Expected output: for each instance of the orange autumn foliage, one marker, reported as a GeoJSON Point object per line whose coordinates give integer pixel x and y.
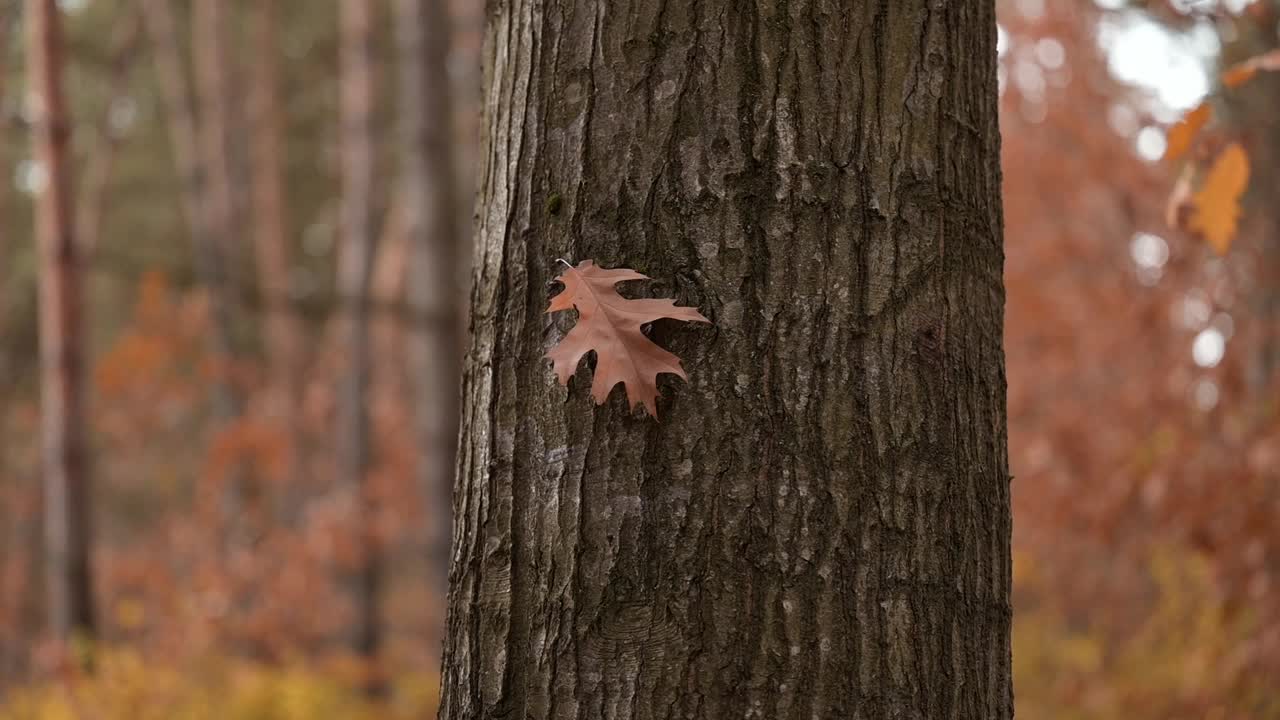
{"type": "Point", "coordinates": [249, 440]}
{"type": "Point", "coordinates": [1127, 446]}
{"type": "Point", "coordinates": [1216, 207]}
{"type": "Point", "coordinates": [1183, 134]}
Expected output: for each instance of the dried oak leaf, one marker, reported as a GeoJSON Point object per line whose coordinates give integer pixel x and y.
{"type": "Point", "coordinates": [610, 324]}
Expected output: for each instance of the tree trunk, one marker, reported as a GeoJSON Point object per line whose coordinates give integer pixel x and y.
{"type": "Point", "coordinates": [389, 320]}
{"type": "Point", "coordinates": [8, 15]}
{"type": "Point", "coordinates": [1254, 108]}
{"type": "Point", "coordinates": [355, 267]}
{"type": "Point", "coordinates": [180, 111]}
{"type": "Point", "coordinates": [209, 20]}
{"type": "Point", "coordinates": [209, 260]}
{"type": "Point", "coordinates": [125, 35]}
{"type": "Point", "coordinates": [66, 464]}
{"type": "Point", "coordinates": [819, 526]}
{"type": "Point", "coordinates": [430, 210]}
{"type": "Point", "coordinates": [282, 329]}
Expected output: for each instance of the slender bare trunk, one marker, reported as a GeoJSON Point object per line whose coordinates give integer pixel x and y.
{"type": "Point", "coordinates": [209, 259]}
{"type": "Point", "coordinates": [20, 573]}
{"type": "Point", "coordinates": [67, 500]}
{"type": "Point", "coordinates": [8, 11]}
{"type": "Point", "coordinates": [282, 329]}
{"type": "Point", "coordinates": [355, 266]}
{"type": "Point", "coordinates": [389, 325]}
{"type": "Point", "coordinates": [125, 35]}
{"type": "Point", "coordinates": [17, 552]}
{"type": "Point", "coordinates": [1256, 108]}
{"type": "Point", "coordinates": [209, 20]}
{"type": "Point", "coordinates": [387, 288]}
{"type": "Point", "coordinates": [179, 106]}
{"type": "Point", "coordinates": [430, 212]}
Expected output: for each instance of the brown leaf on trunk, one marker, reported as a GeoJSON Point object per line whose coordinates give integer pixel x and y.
{"type": "Point", "coordinates": [610, 325]}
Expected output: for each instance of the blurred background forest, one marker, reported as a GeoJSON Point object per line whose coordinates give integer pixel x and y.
{"type": "Point", "coordinates": [271, 203]}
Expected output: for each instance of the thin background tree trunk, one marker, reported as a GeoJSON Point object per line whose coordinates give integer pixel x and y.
{"type": "Point", "coordinates": [22, 553]}
{"type": "Point", "coordinates": [67, 510]}
{"type": "Point", "coordinates": [212, 64]}
{"type": "Point", "coordinates": [209, 260]}
{"type": "Point", "coordinates": [125, 37]}
{"type": "Point", "coordinates": [1256, 108]}
{"type": "Point", "coordinates": [819, 525]}
{"type": "Point", "coordinates": [8, 14]}
{"type": "Point", "coordinates": [355, 267]}
{"type": "Point", "coordinates": [434, 287]}
{"type": "Point", "coordinates": [20, 571]}
{"type": "Point", "coordinates": [387, 291]}
{"type": "Point", "coordinates": [282, 329]}
{"type": "Point", "coordinates": [213, 73]}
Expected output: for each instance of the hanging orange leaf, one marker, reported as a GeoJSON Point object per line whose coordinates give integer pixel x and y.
{"type": "Point", "coordinates": [1216, 206]}
{"type": "Point", "coordinates": [1239, 74]}
{"type": "Point", "coordinates": [1183, 133]}
{"type": "Point", "coordinates": [610, 325]}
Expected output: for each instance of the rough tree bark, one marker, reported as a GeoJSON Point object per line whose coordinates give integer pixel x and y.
{"type": "Point", "coordinates": [67, 508]}
{"type": "Point", "coordinates": [819, 526]}
{"type": "Point", "coordinates": [355, 267]}
{"type": "Point", "coordinates": [430, 211]}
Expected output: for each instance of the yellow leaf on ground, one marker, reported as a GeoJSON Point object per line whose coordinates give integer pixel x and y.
{"type": "Point", "coordinates": [1183, 134]}
{"type": "Point", "coordinates": [1216, 206]}
{"type": "Point", "coordinates": [1241, 73]}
